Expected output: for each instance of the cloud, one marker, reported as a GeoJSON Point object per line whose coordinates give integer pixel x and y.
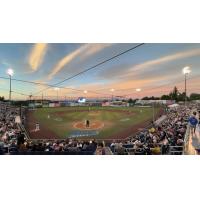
{"type": "Point", "coordinates": [94, 48]}
{"type": "Point", "coordinates": [152, 68]}
{"type": "Point", "coordinates": [165, 59]}
{"type": "Point", "coordinates": [37, 55]}
{"type": "Point", "coordinates": [66, 60]}
{"type": "Point", "coordinates": [83, 52]}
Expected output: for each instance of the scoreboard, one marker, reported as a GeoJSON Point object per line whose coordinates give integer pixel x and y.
{"type": "Point", "coordinates": [81, 100]}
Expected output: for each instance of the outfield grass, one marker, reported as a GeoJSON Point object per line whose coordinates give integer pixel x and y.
{"type": "Point", "coordinates": [62, 119]}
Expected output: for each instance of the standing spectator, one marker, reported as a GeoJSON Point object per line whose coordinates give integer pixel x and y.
{"type": "Point", "coordinates": [193, 123]}
{"type": "Point", "coordinates": [20, 139]}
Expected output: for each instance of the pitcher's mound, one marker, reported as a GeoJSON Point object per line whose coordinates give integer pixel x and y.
{"type": "Point", "coordinates": [94, 125]}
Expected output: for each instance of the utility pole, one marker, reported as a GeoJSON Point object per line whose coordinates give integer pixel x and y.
{"type": "Point", "coordinates": [185, 89]}
{"type": "Point", "coordinates": [42, 99]}
{"type": "Point", "coordinates": [153, 112]}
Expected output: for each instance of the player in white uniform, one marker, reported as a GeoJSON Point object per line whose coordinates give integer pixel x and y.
{"type": "Point", "coordinates": [37, 127]}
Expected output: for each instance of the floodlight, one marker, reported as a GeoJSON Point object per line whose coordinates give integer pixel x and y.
{"type": "Point", "coordinates": [138, 90]}
{"type": "Point", "coordinates": [10, 72]}
{"type": "Point", "coordinates": [112, 90]}
{"type": "Point", "coordinates": [56, 88]}
{"type": "Point", "coordinates": [186, 70]}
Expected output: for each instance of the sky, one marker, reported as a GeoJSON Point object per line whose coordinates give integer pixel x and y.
{"type": "Point", "coordinates": [154, 68]}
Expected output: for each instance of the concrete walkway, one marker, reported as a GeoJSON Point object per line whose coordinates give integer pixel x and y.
{"type": "Point", "coordinates": [194, 142]}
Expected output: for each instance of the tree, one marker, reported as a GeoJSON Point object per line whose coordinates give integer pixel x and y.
{"type": "Point", "coordinates": [165, 97]}
{"type": "Point", "coordinates": [130, 101]}
{"type": "Point", "coordinates": [150, 98]}
{"type": "Point", "coordinates": [195, 96]}
{"type": "Point", "coordinates": [145, 98]}
{"type": "Point", "coordinates": [174, 94]}
{"type": "Point", "coordinates": [2, 98]}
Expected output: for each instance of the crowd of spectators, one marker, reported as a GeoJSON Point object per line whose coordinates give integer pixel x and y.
{"type": "Point", "coordinates": [10, 132]}
{"type": "Point", "coordinates": [157, 139]}
{"type": "Point", "coordinates": [13, 140]}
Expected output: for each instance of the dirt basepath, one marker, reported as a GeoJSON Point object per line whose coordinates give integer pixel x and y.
{"type": "Point", "coordinates": [44, 132]}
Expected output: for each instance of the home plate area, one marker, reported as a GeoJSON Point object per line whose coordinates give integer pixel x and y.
{"type": "Point", "coordinates": [94, 125]}
{"type": "Point", "coordinates": [84, 131]}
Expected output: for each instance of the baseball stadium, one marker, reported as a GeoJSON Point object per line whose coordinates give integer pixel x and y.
{"type": "Point", "coordinates": [99, 99]}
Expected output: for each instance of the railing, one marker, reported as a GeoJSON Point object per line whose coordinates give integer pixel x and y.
{"type": "Point", "coordinates": [24, 131]}
{"type": "Point", "coordinates": [176, 150]}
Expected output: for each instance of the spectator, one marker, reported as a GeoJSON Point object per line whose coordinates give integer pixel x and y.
{"type": "Point", "coordinates": [193, 123]}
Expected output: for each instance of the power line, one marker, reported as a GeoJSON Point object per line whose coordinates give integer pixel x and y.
{"type": "Point", "coordinates": [7, 90]}
{"type": "Point", "coordinates": [90, 68]}
{"type": "Point", "coordinates": [17, 92]}
{"type": "Point", "coordinates": [192, 77]}
{"type": "Point", "coordinates": [51, 86]}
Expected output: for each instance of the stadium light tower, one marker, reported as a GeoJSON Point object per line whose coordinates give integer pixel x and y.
{"type": "Point", "coordinates": [10, 72]}
{"type": "Point", "coordinates": [112, 90]}
{"type": "Point", "coordinates": [138, 90]}
{"type": "Point", "coordinates": [186, 70]}
{"type": "Point", "coordinates": [57, 89]}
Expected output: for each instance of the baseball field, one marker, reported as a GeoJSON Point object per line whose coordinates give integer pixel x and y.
{"type": "Point", "coordinates": [104, 122]}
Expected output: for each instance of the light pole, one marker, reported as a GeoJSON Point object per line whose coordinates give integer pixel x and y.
{"type": "Point", "coordinates": [186, 70]}
{"type": "Point", "coordinates": [10, 72]}
{"type": "Point", "coordinates": [57, 89]}
{"type": "Point", "coordinates": [42, 99]}
{"type": "Point", "coordinates": [112, 90]}
{"type": "Point", "coordinates": [153, 106]}
{"type": "Point", "coordinates": [138, 90]}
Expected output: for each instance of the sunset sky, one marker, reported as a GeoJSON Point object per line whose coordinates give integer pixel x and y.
{"type": "Point", "coordinates": [155, 68]}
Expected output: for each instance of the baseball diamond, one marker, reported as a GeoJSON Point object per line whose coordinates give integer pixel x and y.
{"type": "Point", "coordinates": [111, 122]}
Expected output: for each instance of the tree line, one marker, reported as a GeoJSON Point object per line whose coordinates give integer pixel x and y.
{"type": "Point", "coordinates": [175, 94]}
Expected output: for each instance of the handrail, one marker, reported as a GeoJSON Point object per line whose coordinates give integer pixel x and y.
{"type": "Point", "coordinates": [24, 131]}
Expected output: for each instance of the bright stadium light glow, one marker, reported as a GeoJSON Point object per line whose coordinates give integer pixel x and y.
{"type": "Point", "coordinates": [186, 70]}
{"type": "Point", "coordinates": [10, 72]}
{"type": "Point", "coordinates": [56, 88]}
{"type": "Point", "coordinates": [85, 91]}
{"type": "Point", "coordinates": [138, 90]}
